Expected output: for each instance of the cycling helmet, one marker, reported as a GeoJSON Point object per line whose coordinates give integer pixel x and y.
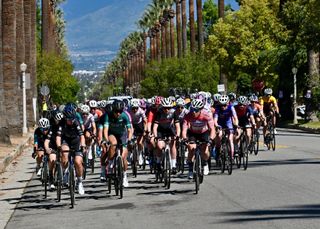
{"type": "Point", "coordinates": [232, 96]}
{"type": "Point", "coordinates": [166, 102]}
{"type": "Point", "coordinates": [197, 104]}
{"type": "Point", "coordinates": [85, 109]}
{"type": "Point", "coordinates": [242, 100]}
{"type": "Point", "coordinates": [143, 104]}
{"type": "Point", "coordinates": [98, 104]}
{"type": "Point", "coordinates": [93, 104]}
{"type": "Point", "coordinates": [268, 91]}
{"type": "Point", "coordinates": [157, 100]}
{"type": "Point", "coordinates": [61, 108]}
{"type": "Point", "coordinates": [135, 103]}
{"type": "Point", "coordinates": [72, 106]}
{"type": "Point", "coordinates": [109, 108]}
{"type": "Point", "coordinates": [44, 123]}
{"type": "Point", "coordinates": [180, 102]}
{"type": "Point", "coordinates": [103, 103]}
{"type": "Point", "coordinates": [208, 95]}
{"type": "Point", "coordinates": [57, 115]}
{"type": "Point", "coordinates": [118, 106]}
{"type": "Point", "coordinates": [224, 100]}
{"type": "Point", "coordinates": [126, 102]}
{"type": "Point", "coordinates": [69, 112]}
{"type": "Point", "coordinates": [216, 97]}
{"type": "Point", "coordinates": [253, 98]}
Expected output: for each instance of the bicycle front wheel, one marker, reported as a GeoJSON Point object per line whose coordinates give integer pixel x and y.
{"type": "Point", "coordinates": [120, 175]}
{"type": "Point", "coordinates": [71, 185]}
{"type": "Point", "coordinates": [196, 172]}
{"type": "Point", "coordinates": [58, 181]}
{"type": "Point", "coordinates": [244, 149]}
{"type": "Point", "coordinates": [167, 169]}
{"type": "Point", "coordinates": [45, 178]}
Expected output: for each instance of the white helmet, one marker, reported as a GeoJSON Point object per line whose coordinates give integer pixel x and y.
{"type": "Point", "coordinates": [85, 109]}
{"type": "Point", "coordinates": [103, 103]}
{"type": "Point", "coordinates": [268, 91]}
{"type": "Point", "coordinates": [242, 100]}
{"type": "Point", "coordinates": [197, 104]}
{"type": "Point", "coordinates": [224, 99]}
{"type": "Point", "coordinates": [93, 104]}
{"type": "Point", "coordinates": [208, 95]}
{"type": "Point", "coordinates": [180, 102]}
{"type": "Point", "coordinates": [135, 103]}
{"type": "Point", "coordinates": [44, 123]}
{"type": "Point", "coordinates": [216, 97]}
{"type": "Point", "coordinates": [167, 102]}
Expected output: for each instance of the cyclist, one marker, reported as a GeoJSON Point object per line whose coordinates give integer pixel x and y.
{"type": "Point", "coordinates": [198, 125]}
{"type": "Point", "coordinates": [97, 113]}
{"type": "Point", "coordinates": [139, 122]}
{"type": "Point", "coordinates": [117, 129]}
{"type": "Point", "coordinates": [257, 111]}
{"type": "Point", "coordinates": [166, 124]}
{"type": "Point", "coordinates": [232, 98]}
{"type": "Point", "coordinates": [225, 117]}
{"type": "Point", "coordinates": [70, 136]}
{"type": "Point", "coordinates": [270, 107]}
{"type": "Point", "coordinates": [245, 117]}
{"type": "Point", "coordinates": [181, 111]}
{"type": "Point", "coordinates": [40, 135]}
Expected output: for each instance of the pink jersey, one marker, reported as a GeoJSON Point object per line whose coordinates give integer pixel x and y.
{"type": "Point", "coordinates": [200, 124]}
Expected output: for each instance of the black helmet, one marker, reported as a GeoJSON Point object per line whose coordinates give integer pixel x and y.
{"type": "Point", "coordinates": [69, 112]}
{"type": "Point", "coordinates": [117, 106]}
{"type": "Point", "coordinates": [109, 108]}
{"type": "Point", "coordinates": [57, 115]}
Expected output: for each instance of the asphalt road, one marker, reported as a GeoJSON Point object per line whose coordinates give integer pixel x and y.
{"type": "Point", "coordinates": [280, 189]}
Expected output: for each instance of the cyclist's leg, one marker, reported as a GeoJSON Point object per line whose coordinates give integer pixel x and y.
{"type": "Point", "coordinates": [231, 137]}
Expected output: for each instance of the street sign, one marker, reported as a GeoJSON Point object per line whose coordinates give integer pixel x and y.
{"type": "Point", "coordinates": [44, 90]}
{"type": "Point", "coordinates": [221, 88]}
{"type": "Point", "coordinates": [28, 81]}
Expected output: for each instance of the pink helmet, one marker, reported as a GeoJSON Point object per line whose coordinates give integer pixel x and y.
{"type": "Point", "coordinates": [143, 104]}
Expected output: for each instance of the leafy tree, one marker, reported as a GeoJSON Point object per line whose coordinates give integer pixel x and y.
{"type": "Point", "coordinates": [56, 71]}
{"type": "Point", "coordinates": [194, 72]}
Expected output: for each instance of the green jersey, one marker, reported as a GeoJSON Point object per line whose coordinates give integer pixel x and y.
{"type": "Point", "coordinates": [117, 126]}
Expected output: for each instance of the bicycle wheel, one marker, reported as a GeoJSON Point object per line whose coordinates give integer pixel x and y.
{"type": "Point", "coordinates": [238, 156]}
{"type": "Point", "coordinates": [45, 177]}
{"type": "Point", "coordinates": [93, 152]}
{"type": "Point", "coordinates": [84, 165]}
{"type": "Point", "coordinates": [228, 158]}
{"type": "Point", "coordinates": [196, 172]}
{"type": "Point", "coordinates": [134, 161]}
{"type": "Point", "coordinates": [182, 157]}
{"type": "Point", "coordinates": [58, 180]}
{"type": "Point", "coordinates": [244, 149]}
{"type": "Point", "coordinates": [222, 159]}
{"type": "Point", "coordinates": [167, 169]}
{"type": "Point", "coordinates": [273, 139]}
{"type": "Point", "coordinates": [71, 184]}
{"type": "Point", "coordinates": [256, 136]}
{"type": "Point", "coordinates": [120, 175]}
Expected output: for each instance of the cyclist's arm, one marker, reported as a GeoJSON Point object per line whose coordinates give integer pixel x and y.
{"type": "Point", "coordinates": [58, 138]}
{"type": "Point", "coordinates": [234, 117]}
{"type": "Point", "coordinates": [46, 145]}
{"type": "Point", "coordinates": [184, 128]}
{"type": "Point", "coordinates": [155, 128]}
{"type": "Point", "coordinates": [211, 127]}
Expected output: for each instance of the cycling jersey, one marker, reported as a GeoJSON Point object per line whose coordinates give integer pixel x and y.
{"type": "Point", "coordinates": [137, 117]}
{"type": "Point", "coordinates": [181, 114]}
{"type": "Point", "coordinates": [40, 137]}
{"type": "Point", "coordinates": [87, 121]}
{"type": "Point", "coordinates": [166, 121]}
{"type": "Point", "coordinates": [256, 108]}
{"type": "Point", "coordinates": [243, 113]}
{"type": "Point", "coordinates": [79, 118]}
{"type": "Point", "coordinates": [200, 124]}
{"type": "Point", "coordinates": [224, 117]}
{"type": "Point", "coordinates": [117, 126]}
{"type": "Point", "coordinates": [69, 131]}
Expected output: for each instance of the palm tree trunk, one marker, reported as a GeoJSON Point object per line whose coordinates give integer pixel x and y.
{"type": "Point", "coordinates": [313, 79]}
{"type": "Point", "coordinates": [167, 27]}
{"type": "Point", "coordinates": [178, 25]}
{"type": "Point", "coordinates": [4, 126]}
{"type": "Point", "coordinates": [33, 52]}
{"type": "Point", "coordinates": [172, 48]}
{"type": "Point", "coordinates": [20, 50]}
{"type": "Point", "coordinates": [48, 27]}
{"type": "Point", "coordinates": [221, 8]}
{"type": "Point", "coordinates": [163, 41]}
{"type": "Point", "coordinates": [184, 27]}
{"type": "Point", "coordinates": [192, 33]}
{"type": "Point", "coordinates": [10, 78]}
{"type": "Point", "coordinates": [200, 24]}
{"type": "Point", "coordinates": [158, 37]}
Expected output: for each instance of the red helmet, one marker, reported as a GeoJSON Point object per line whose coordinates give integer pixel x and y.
{"type": "Point", "coordinates": [157, 100]}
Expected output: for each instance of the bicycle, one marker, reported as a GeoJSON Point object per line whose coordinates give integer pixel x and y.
{"type": "Point", "coordinates": [45, 173]}
{"type": "Point", "coordinates": [117, 172]}
{"type": "Point", "coordinates": [181, 149]}
{"type": "Point", "coordinates": [225, 156]}
{"type": "Point", "coordinates": [270, 138]}
{"type": "Point", "coordinates": [134, 151]}
{"type": "Point", "coordinates": [197, 165]}
{"type": "Point", "coordinates": [164, 173]}
{"type": "Point", "coordinates": [254, 146]}
{"type": "Point", "coordinates": [58, 175]}
{"type": "Point", "coordinates": [243, 151]}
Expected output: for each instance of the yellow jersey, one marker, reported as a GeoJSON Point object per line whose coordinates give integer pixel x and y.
{"type": "Point", "coordinates": [268, 100]}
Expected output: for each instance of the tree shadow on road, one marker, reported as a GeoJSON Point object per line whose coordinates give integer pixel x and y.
{"type": "Point", "coordinates": [284, 213]}
{"type": "Point", "coordinates": [261, 163]}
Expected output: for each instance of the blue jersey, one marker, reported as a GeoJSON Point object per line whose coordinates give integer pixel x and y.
{"type": "Point", "coordinates": [224, 117]}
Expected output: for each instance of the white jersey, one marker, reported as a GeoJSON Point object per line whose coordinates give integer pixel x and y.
{"type": "Point", "coordinates": [87, 121]}
{"type": "Point", "coordinates": [138, 116]}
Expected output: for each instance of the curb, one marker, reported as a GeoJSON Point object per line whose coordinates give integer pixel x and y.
{"type": "Point", "coordinates": [306, 129]}
{"type": "Point", "coordinates": [15, 153]}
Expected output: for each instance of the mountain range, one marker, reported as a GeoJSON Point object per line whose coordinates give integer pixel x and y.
{"type": "Point", "coordinates": [95, 28]}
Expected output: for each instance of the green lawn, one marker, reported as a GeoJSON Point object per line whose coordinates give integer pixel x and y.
{"type": "Point", "coordinates": [312, 125]}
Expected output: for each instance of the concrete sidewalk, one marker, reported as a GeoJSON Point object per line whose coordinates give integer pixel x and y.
{"type": "Point", "coordinates": [9, 152]}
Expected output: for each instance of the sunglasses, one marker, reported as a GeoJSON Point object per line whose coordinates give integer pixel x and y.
{"type": "Point", "coordinates": [195, 110]}
{"type": "Point", "coordinates": [44, 129]}
{"type": "Point", "coordinates": [117, 112]}
{"type": "Point", "coordinates": [86, 114]}
{"type": "Point", "coordinates": [180, 107]}
{"type": "Point", "coordinates": [134, 108]}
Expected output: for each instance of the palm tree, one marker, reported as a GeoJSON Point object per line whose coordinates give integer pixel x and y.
{"type": "Point", "coordinates": [192, 33]}
{"type": "Point", "coordinates": [178, 25]}
{"type": "Point", "coordinates": [4, 126]}
{"type": "Point", "coordinates": [33, 47]}
{"type": "Point", "coordinates": [48, 26]}
{"type": "Point", "coordinates": [200, 24]}
{"type": "Point", "coordinates": [184, 27]}
{"type": "Point", "coordinates": [223, 76]}
{"type": "Point", "coordinates": [221, 8]}
{"type": "Point", "coordinates": [10, 78]}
